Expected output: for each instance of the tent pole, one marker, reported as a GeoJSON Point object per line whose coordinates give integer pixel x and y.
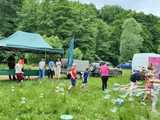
{"type": "Point", "coordinates": [45, 55]}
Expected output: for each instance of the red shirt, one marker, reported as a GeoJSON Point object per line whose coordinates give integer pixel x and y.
{"type": "Point", "coordinates": [73, 73]}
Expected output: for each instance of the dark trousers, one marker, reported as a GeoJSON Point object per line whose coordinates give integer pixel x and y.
{"type": "Point", "coordinates": [104, 82]}
{"type": "Point", "coordinates": [11, 77]}
{"type": "Point", "coordinates": [50, 73]}
{"type": "Point", "coordinates": [19, 76]}
{"type": "Point", "coordinates": [73, 81]}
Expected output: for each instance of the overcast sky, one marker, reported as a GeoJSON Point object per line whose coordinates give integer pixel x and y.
{"type": "Point", "coordinates": [147, 6]}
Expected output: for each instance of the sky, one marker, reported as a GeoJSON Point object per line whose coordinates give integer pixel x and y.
{"type": "Point", "coordinates": [146, 6]}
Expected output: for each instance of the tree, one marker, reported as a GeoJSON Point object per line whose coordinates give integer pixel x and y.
{"type": "Point", "coordinates": [53, 41]}
{"type": "Point", "coordinates": [103, 42]}
{"type": "Point", "coordinates": [28, 16]}
{"type": "Point", "coordinates": [78, 54]}
{"type": "Point", "coordinates": [8, 16]}
{"type": "Point", "coordinates": [131, 39]}
{"type": "Point", "coordinates": [111, 13]}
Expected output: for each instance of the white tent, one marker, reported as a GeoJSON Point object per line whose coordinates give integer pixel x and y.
{"type": "Point", "coordinates": [142, 60]}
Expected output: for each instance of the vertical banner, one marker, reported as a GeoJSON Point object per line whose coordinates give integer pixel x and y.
{"type": "Point", "coordinates": [70, 53]}
{"type": "Point", "coordinates": [155, 61]}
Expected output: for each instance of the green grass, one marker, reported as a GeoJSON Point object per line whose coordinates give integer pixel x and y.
{"type": "Point", "coordinates": [35, 100]}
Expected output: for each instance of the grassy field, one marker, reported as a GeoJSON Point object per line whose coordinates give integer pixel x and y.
{"type": "Point", "coordinates": [41, 100]}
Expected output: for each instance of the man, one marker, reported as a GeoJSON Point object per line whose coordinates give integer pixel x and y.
{"type": "Point", "coordinates": [51, 68]}
{"type": "Point", "coordinates": [11, 65]}
{"type": "Point", "coordinates": [42, 66]}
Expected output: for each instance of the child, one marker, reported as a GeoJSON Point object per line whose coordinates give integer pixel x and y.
{"type": "Point", "coordinates": [134, 78]}
{"type": "Point", "coordinates": [148, 83]}
{"type": "Point", "coordinates": [85, 76]}
{"type": "Point", "coordinates": [151, 88]}
{"type": "Point", "coordinates": [19, 73]}
{"type": "Point", "coordinates": [73, 76]}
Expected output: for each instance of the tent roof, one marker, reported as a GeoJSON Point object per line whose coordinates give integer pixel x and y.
{"type": "Point", "coordinates": [27, 42]}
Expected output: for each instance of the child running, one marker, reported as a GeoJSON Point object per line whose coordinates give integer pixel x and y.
{"type": "Point", "coordinates": [85, 76]}
{"type": "Point", "coordinates": [73, 76]}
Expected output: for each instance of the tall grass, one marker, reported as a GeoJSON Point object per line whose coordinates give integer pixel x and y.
{"type": "Point", "coordinates": [38, 100]}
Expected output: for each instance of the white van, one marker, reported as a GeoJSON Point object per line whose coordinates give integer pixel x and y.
{"type": "Point", "coordinates": [142, 60]}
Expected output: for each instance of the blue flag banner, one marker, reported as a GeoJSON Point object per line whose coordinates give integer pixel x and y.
{"type": "Point", "coordinates": [70, 52]}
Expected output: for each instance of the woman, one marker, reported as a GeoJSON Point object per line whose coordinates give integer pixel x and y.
{"type": "Point", "coordinates": [104, 71]}
{"type": "Point", "coordinates": [58, 69]}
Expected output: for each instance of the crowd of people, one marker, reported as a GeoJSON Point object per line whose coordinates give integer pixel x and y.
{"type": "Point", "coordinates": [151, 88]}
{"type": "Point", "coordinates": [53, 69]}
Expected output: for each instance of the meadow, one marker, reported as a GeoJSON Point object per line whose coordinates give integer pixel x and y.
{"type": "Point", "coordinates": [49, 99]}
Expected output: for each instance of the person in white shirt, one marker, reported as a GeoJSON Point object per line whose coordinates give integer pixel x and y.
{"type": "Point", "coordinates": [19, 72]}
{"type": "Point", "coordinates": [42, 66]}
{"type": "Point", "coordinates": [58, 69]}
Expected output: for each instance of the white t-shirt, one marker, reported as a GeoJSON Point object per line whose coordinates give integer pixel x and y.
{"type": "Point", "coordinates": [58, 63]}
{"type": "Point", "coordinates": [18, 68]}
{"type": "Point", "coordinates": [42, 65]}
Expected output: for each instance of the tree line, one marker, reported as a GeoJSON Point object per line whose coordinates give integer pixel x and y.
{"type": "Point", "coordinates": [111, 33]}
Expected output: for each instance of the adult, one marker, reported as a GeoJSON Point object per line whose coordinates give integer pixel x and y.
{"type": "Point", "coordinates": [104, 72]}
{"type": "Point", "coordinates": [11, 65]}
{"type": "Point", "coordinates": [51, 69]}
{"type": "Point", "coordinates": [42, 66]}
{"type": "Point", "coordinates": [58, 69]}
{"type": "Point", "coordinates": [73, 76]}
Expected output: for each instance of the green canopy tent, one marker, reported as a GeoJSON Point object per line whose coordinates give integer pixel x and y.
{"type": "Point", "coordinates": [28, 42]}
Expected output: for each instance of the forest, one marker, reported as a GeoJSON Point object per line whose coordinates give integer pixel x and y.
{"type": "Point", "coordinates": [110, 33]}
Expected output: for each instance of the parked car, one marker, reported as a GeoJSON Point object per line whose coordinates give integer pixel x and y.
{"type": "Point", "coordinates": [127, 65]}
{"type": "Point", "coordinates": [94, 68]}
{"type": "Point", "coordinates": [81, 66]}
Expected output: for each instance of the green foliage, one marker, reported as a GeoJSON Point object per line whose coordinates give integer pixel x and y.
{"type": "Point", "coordinates": [131, 39]}
{"type": "Point", "coordinates": [111, 13]}
{"type": "Point", "coordinates": [8, 16]}
{"type": "Point", "coordinates": [97, 32]}
{"type": "Point", "coordinates": [78, 54]}
{"type": "Point", "coordinates": [28, 16]}
{"type": "Point", "coordinates": [53, 41]}
{"type": "Point", "coordinates": [103, 41]}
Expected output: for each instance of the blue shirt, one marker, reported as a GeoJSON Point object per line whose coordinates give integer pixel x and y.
{"type": "Point", "coordinates": [51, 65]}
{"type": "Point", "coordinates": [85, 75]}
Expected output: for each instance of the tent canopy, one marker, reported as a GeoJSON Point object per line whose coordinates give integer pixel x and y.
{"type": "Point", "coordinates": [27, 42]}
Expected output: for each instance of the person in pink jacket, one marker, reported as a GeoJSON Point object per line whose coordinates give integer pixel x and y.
{"type": "Point", "coordinates": [104, 72]}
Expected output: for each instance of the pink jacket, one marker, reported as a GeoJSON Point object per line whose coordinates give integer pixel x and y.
{"type": "Point", "coordinates": [104, 70]}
